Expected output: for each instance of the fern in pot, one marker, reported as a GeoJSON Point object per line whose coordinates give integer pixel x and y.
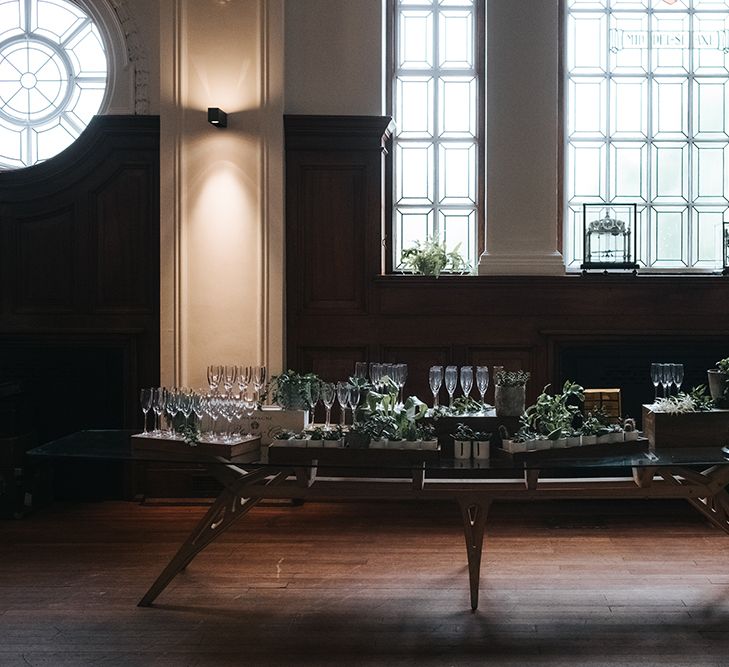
{"type": "Point", "coordinates": [431, 258]}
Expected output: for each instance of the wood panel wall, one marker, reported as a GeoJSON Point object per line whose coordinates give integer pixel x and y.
{"type": "Point", "coordinates": [340, 309]}
{"type": "Point", "coordinates": [79, 275]}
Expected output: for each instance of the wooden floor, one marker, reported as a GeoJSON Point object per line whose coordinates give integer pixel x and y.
{"type": "Point", "coordinates": [576, 584]}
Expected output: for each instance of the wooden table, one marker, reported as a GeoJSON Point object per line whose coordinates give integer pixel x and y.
{"type": "Point", "coordinates": [697, 475]}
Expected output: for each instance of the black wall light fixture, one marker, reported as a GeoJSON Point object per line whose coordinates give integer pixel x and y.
{"type": "Point", "coordinates": [217, 117]}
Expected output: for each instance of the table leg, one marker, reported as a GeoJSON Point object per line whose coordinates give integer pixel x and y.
{"type": "Point", "coordinates": [715, 509]}
{"type": "Point", "coordinates": [474, 512]}
{"type": "Point", "coordinates": [228, 507]}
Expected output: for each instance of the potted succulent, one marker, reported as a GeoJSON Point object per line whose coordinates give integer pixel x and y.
{"type": "Point", "coordinates": [293, 391]}
{"type": "Point", "coordinates": [481, 446]}
{"type": "Point", "coordinates": [629, 430]}
{"type": "Point", "coordinates": [462, 441]}
{"type": "Point", "coordinates": [510, 392]}
{"type": "Point", "coordinates": [573, 437]}
{"type": "Point", "coordinates": [552, 417]}
{"type": "Point", "coordinates": [291, 439]}
{"type": "Point", "coordinates": [719, 384]}
{"type": "Point", "coordinates": [591, 426]}
{"type": "Point", "coordinates": [333, 438]}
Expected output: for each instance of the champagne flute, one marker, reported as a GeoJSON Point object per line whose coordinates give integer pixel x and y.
{"type": "Point", "coordinates": [482, 383]}
{"type": "Point", "coordinates": [260, 374]}
{"type": "Point", "coordinates": [401, 377]}
{"type": "Point", "coordinates": [158, 404]}
{"type": "Point", "coordinates": [230, 375]}
{"type": "Point", "coordinates": [435, 377]}
{"type": "Point", "coordinates": [198, 407]}
{"type": "Point", "coordinates": [314, 390]}
{"type": "Point", "coordinates": [360, 370]}
{"type": "Point", "coordinates": [467, 380]}
{"type": "Point", "coordinates": [354, 396]}
{"type": "Point", "coordinates": [343, 399]}
{"type": "Point", "coordinates": [666, 377]}
{"type": "Point", "coordinates": [678, 376]}
{"type": "Point", "coordinates": [171, 408]}
{"type": "Point", "coordinates": [214, 374]}
{"type": "Point", "coordinates": [328, 393]}
{"type": "Point", "coordinates": [376, 375]}
{"type": "Point", "coordinates": [655, 378]}
{"type": "Point", "coordinates": [185, 404]}
{"type": "Point", "coordinates": [451, 382]}
{"type": "Point", "coordinates": [245, 377]}
{"type": "Point", "coordinates": [145, 398]}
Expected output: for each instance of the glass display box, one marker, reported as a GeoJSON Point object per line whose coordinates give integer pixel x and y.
{"type": "Point", "coordinates": [609, 237]}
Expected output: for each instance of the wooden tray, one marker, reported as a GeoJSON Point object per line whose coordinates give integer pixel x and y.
{"type": "Point", "coordinates": [639, 446]}
{"type": "Point", "coordinates": [346, 456]}
{"type": "Point", "coordinates": [247, 447]}
{"type": "Point", "coordinates": [693, 429]}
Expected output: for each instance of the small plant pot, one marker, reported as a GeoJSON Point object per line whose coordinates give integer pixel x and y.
{"type": "Point", "coordinates": [462, 449]}
{"type": "Point", "coordinates": [296, 442]}
{"type": "Point", "coordinates": [428, 445]}
{"type": "Point", "coordinates": [617, 436]}
{"type": "Point", "coordinates": [631, 436]}
{"type": "Point", "coordinates": [589, 440]}
{"type": "Point", "coordinates": [481, 450]}
{"type": "Point", "coordinates": [574, 441]}
{"type": "Point", "coordinates": [333, 444]}
{"type": "Point", "coordinates": [510, 401]}
{"type": "Point", "coordinates": [719, 388]}
{"type": "Point", "coordinates": [513, 447]}
{"type": "Point", "coordinates": [559, 443]}
{"type": "Point", "coordinates": [379, 444]}
{"type": "Point", "coordinates": [409, 444]}
{"type": "Point", "coordinates": [315, 444]}
{"type": "Point", "coordinates": [357, 440]}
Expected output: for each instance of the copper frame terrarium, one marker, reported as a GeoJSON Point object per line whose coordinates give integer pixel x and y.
{"type": "Point", "coordinates": [609, 237]}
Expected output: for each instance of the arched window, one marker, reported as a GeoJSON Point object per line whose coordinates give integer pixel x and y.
{"type": "Point", "coordinates": [53, 78]}
{"type": "Point", "coordinates": [437, 94]}
{"type": "Point", "coordinates": [647, 122]}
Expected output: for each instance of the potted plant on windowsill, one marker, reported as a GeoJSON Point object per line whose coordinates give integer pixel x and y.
{"type": "Point", "coordinates": [431, 258]}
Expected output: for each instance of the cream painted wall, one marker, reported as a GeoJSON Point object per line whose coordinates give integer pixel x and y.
{"type": "Point", "coordinates": [334, 57]}
{"type": "Point", "coordinates": [222, 189]}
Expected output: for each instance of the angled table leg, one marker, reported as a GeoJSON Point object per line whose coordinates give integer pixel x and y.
{"type": "Point", "coordinates": [715, 508]}
{"type": "Point", "coordinates": [474, 511]}
{"type": "Point", "coordinates": [225, 511]}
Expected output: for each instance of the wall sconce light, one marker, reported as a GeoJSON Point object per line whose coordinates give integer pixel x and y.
{"type": "Point", "coordinates": [217, 117]}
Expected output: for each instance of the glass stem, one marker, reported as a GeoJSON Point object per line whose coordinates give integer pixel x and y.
{"type": "Point", "coordinates": [329, 414]}
{"type": "Point", "coordinates": [144, 431]}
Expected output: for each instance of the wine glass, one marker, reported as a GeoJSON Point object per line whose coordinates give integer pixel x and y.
{"type": "Point", "coordinates": [328, 393]}
{"type": "Point", "coordinates": [343, 399]}
{"type": "Point", "coordinates": [656, 378]}
{"type": "Point", "coordinates": [171, 408]}
{"type": "Point", "coordinates": [245, 377]}
{"type": "Point", "coordinates": [401, 377]}
{"type": "Point", "coordinates": [214, 414]}
{"type": "Point", "coordinates": [314, 390]}
{"type": "Point", "coordinates": [435, 377]}
{"type": "Point", "coordinates": [466, 380]}
{"type": "Point", "coordinates": [214, 375]}
{"type": "Point", "coordinates": [360, 370]}
{"type": "Point", "coordinates": [677, 373]}
{"type": "Point", "coordinates": [249, 406]}
{"type": "Point", "coordinates": [184, 402]}
{"type": "Point", "coordinates": [198, 407]}
{"type": "Point", "coordinates": [230, 375]}
{"type": "Point", "coordinates": [666, 377]}
{"type": "Point", "coordinates": [354, 396]}
{"type": "Point", "coordinates": [145, 398]}
{"type": "Point", "coordinates": [158, 404]}
{"type": "Point", "coordinates": [260, 374]}
{"type": "Point", "coordinates": [482, 383]}
{"type": "Point", "coordinates": [376, 375]}
{"type": "Point", "coordinates": [451, 382]}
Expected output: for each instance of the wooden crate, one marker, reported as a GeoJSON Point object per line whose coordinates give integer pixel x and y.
{"type": "Point", "coordinates": [607, 399]}
{"type": "Point", "coordinates": [694, 429]}
{"type": "Point", "coordinates": [245, 449]}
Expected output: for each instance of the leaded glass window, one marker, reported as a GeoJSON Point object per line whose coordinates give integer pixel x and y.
{"type": "Point", "coordinates": [53, 74]}
{"type": "Point", "coordinates": [438, 111]}
{"type": "Point", "coordinates": [647, 98]}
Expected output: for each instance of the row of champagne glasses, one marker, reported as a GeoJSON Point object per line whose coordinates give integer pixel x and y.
{"type": "Point", "coordinates": [398, 373]}
{"type": "Point", "coordinates": [452, 376]}
{"type": "Point", "coordinates": [168, 405]}
{"type": "Point", "coordinates": [666, 375]}
{"type": "Point", "coordinates": [345, 394]}
{"type": "Point", "coordinates": [242, 377]}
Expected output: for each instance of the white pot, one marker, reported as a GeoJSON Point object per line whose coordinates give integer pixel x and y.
{"type": "Point", "coordinates": [616, 437]}
{"type": "Point", "coordinates": [332, 444]}
{"type": "Point", "coordinates": [409, 444]}
{"type": "Point", "coordinates": [462, 449]}
{"type": "Point", "coordinates": [604, 439]}
{"type": "Point", "coordinates": [574, 441]}
{"type": "Point", "coordinates": [378, 444]}
{"type": "Point", "coordinates": [296, 442]}
{"type": "Point", "coordinates": [559, 443]}
{"type": "Point", "coordinates": [429, 445]}
{"type": "Point", "coordinates": [481, 450]}
{"type": "Point", "coordinates": [314, 444]}
{"type": "Point", "coordinates": [589, 440]}
{"type": "Point", "coordinates": [631, 436]}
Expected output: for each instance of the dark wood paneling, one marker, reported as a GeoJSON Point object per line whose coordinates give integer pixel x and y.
{"type": "Point", "coordinates": [44, 262]}
{"type": "Point", "coordinates": [519, 322]}
{"type": "Point", "coordinates": [79, 277]}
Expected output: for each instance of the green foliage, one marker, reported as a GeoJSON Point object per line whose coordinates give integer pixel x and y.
{"type": "Point", "coordinates": [465, 405]}
{"type": "Point", "coordinates": [723, 365]}
{"type": "Point", "coordinates": [293, 391]}
{"type": "Point", "coordinates": [190, 435]}
{"type": "Point", "coordinates": [431, 259]}
{"type": "Point", "coordinates": [335, 433]}
{"type": "Point", "coordinates": [701, 398]}
{"type": "Point", "coordinates": [463, 432]}
{"type": "Point", "coordinates": [553, 416]}
{"type": "Point", "coordinates": [511, 378]}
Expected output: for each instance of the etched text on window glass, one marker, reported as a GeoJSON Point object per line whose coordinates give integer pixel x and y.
{"type": "Point", "coordinates": [647, 96]}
